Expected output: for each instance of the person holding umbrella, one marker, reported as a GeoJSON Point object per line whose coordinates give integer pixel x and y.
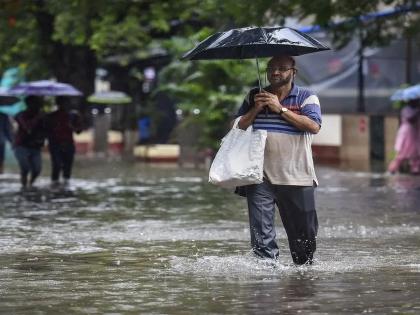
{"type": "Point", "coordinates": [416, 162]}
{"type": "Point", "coordinates": [291, 115]}
{"type": "Point", "coordinates": [407, 145]}
{"type": "Point", "coordinates": [5, 135]}
{"type": "Point", "coordinates": [406, 139]}
{"type": "Point", "coordinates": [29, 140]}
{"type": "Point", "coordinates": [60, 126]}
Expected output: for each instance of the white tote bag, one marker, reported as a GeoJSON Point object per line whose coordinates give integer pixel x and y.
{"type": "Point", "coordinates": [240, 159]}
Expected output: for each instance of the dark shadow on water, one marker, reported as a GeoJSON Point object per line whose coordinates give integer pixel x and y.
{"type": "Point", "coordinates": [377, 166]}
{"type": "Point", "coordinates": [294, 291]}
{"type": "Point", "coordinates": [45, 194]}
{"type": "Point", "coordinates": [378, 182]}
{"type": "Point", "coordinates": [153, 240]}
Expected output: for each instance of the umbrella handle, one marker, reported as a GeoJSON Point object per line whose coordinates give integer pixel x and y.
{"type": "Point", "coordinates": [259, 83]}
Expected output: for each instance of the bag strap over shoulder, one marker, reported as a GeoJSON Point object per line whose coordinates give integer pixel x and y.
{"type": "Point", "coordinates": [236, 122]}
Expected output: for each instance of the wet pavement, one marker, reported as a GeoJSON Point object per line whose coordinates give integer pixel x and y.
{"type": "Point", "coordinates": [139, 239]}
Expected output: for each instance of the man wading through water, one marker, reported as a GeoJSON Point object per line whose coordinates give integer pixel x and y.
{"type": "Point", "coordinates": [291, 115]}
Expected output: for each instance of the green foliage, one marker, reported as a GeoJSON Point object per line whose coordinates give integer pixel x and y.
{"type": "Point", "coordinates": [215, 88]}
{"type": "Point", "coordinates": [112, 27]}
{"type": "Point", "coordinates": [19, 41]}
{"type": "Point", "coordinates": [32, 31]}
{"type": "Point", "coordinates": [372, 32]}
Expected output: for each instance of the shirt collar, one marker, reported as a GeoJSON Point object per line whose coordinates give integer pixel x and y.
{"type": "Point", "coordinates": [293, 92]}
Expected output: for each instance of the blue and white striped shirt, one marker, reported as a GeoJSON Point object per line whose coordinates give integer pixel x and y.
{"type": "Point", "coordinates": [288, 153]}
{"type": "Point", "coordinates": [300, 100]}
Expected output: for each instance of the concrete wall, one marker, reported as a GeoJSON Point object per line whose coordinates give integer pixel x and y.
{"type": "Point", "coordinates": [355, 145]}
{"type": "Point", "coordinates": [342, 138]}
{"type": "Point", "coordinates": [331, 131]}
{"type": "Point", "coordinates": [327, 143]}
{"type": "Point", "coordinates": [346, 138]}
{"type": "Point", "coordinates": [391, 128]}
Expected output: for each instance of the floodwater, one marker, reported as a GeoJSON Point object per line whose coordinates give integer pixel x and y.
{"type": "Point", "coordinates": [138, 239]}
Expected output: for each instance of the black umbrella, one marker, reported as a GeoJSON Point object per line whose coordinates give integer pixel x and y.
{"type": "Point", "coordinates": [255, 42]}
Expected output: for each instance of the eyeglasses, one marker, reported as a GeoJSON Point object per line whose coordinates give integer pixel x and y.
{"type": "Point", "coordinates": [280, 69]}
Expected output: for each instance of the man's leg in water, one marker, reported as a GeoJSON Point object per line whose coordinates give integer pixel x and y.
{"type": "Point", "coordinates": [297, 211]}
{"type": "Point", "coordinates": [261, 210]}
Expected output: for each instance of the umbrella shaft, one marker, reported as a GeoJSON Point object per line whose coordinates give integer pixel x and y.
{"type": "Point", "coordinates": [258, 71]}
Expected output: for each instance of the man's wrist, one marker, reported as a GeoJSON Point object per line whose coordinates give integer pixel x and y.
{"type": "Point", "coordinates": [255, 111]}
{"type": "Point", "coordinates": [283, 110]}
{"type": "Point", "coordinates": [277, 109]}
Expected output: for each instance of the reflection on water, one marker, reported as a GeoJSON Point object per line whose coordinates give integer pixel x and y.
{"type": "Point", "coordinates": [130, 239]}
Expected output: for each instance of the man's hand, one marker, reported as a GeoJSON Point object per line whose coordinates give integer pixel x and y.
{"type": "Point", "coordinates": [249, 117]}
{"type": "Point", "coordinates": [259, 104]}
{"type": "Point", "coordinates": [299, 121]}
{"type": "Point", "coordinates": [270, 100]}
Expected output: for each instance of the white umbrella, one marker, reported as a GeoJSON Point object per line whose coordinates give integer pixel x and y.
{"type": "Point", "coordinates": [109, 97]}
{"type": "Point", "coordinates": [407, 94]}
{"type": "Point", "coordinates": [45, 88]}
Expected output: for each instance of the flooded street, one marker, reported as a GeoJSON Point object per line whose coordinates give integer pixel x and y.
{"type": "Point", "coordinates": [138, 239]}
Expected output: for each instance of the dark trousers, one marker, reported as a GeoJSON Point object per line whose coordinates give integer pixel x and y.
{"type": "Point", "coordinates": [2, 150]}
{"type": "Point", "coordinates": [296, 205]}
{"type": "Point", "coordinates": [62, 157]}
{"type": "Point", "coordinates": [30, 163]}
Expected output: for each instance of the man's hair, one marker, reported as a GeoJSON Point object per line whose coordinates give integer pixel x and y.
{"type": "Point", "coordinates": [292, 60]}
{"type": "Point", "coordinates": [33, 101]}
{"type": "Point", "coordinates": [61, 100]}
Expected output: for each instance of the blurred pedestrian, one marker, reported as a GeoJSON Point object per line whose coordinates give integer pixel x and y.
{"type": "Point", "coordinates": [406, 144]}
{"type": "Point", "coordinates": [5, 135]}
{"type": "Point", "coordinates": [291, 115]}
{"type": "Point", "coordinates": [29, 140]}
{"type": "Point", "coordinates": [60, 127]}
{"type": "Point", "coordinates": [415, 168]}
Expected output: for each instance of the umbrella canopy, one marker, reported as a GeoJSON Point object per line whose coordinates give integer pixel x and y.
{"type": "Point", "coordinates": [5, 92]}
{"type": "Point", "coordinates": [12, 109]}
{"type": "Point", "coordinates": [11, 77]}
{"type": "Point", "coordinates": [9, 103]}
{"type": "Point", "coordinates": [255, 42]}
{"type": "Point", "coordinates": [407, 94]}
{"type": "Point", "coordinates": [109, 97]}
{"type": "Point", "coordinates": [45, 88]}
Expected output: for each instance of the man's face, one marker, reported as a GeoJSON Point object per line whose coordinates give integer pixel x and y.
{"type": "Point", "coordinates": [280, 71]}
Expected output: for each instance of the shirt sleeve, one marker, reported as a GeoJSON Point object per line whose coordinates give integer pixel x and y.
{"type": "Point", "coordinates": [244, 107]}
{"type": "Point", "coordinates": [247, 103]}
{"type": "Point", "coordinates": [311, 108]}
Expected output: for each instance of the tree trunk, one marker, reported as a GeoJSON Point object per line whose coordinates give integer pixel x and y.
{"type": "Point", "coordinates": [361, 79]}
{"type": "Point", "coordinates": [75, 65]}
{"type": "Point", "coordinates": [119, 79]}
{"type": "Point", "coordinates": [71, 64]}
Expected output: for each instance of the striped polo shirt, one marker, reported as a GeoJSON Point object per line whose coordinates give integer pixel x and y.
{"type": "Point", "coordinates": [288, 153]}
